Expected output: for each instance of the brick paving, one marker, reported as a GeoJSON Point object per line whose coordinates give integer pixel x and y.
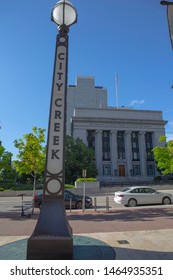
{"type": "Point", "coordinates": [136, 233]}
{"type": "Point", "coordinates": [136, 219]}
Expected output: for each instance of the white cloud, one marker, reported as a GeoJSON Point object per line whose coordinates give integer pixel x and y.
{"type": "Point", "coordinates": [169, 136]}
{"type": "Point", "coordinates": [169, 131]}
{"type": "Point", "coordinates": [137, 102]}
{"type": "Point", "coordinates": [170, 124]}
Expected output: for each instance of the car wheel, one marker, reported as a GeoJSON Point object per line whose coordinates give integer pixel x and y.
{"type": "Point", "coordinates": [78, 205]}
{"type": "Point", "coordinates": [166, 200]}
{"type": "Point", "coordinates": [132, 202]}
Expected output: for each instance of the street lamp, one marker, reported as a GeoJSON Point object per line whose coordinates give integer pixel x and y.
{"type": "Point", "coordinates": [170, 17]}
{"type": "Point", "coordinates": [165, 2]}
{"type": "Point", "coordinates": [52, 237]}
{"type": "Point", "coordinates": [64, 14]}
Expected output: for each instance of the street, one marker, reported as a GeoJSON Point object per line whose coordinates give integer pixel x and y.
{"type": "Point", "coordinates": [14, 203]}
{"type": "Point", "coordinates": [101, 202]}
{"type": "Point", "coordinates": [102, 219]}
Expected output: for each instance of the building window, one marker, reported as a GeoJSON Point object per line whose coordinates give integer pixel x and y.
{"type": "Point", "coordinates": [122, 170]}
{"type": "Point", "coordinates": [150, 169]}
{"type": "Point", "coordinates": [106, 169]}
{"type": "Point", "coordinates": [106, 145]}
{"type": "Point", "coordinates": [135, 145]}
{"type": "Point", "coordinates": [136, 156]}
{"type": "Point", "coordinates": [120, 145]}
{"type": "Point", "coordinates": [149, 146]}
{"type": "Point", "coordinates": [136, 171]}
{"type": "Point", "coordinates": [91, 140]}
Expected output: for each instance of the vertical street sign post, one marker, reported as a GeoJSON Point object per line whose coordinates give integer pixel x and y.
{"type": "Point", "coordinates": [84, 174]}
{"type": "Point", "coordinates": [52, 236]}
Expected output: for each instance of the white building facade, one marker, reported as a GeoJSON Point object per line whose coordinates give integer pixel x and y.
{"type": "Point", "coordinates": [122, 138]}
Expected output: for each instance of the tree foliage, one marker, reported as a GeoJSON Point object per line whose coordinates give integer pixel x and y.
{"type": "Point", "coordinates": [6, 169]}
{"type": "Point", "coordinates": [164, 156]}
{"type": "Point", "coordinates": [31, 156]}
{"type": "Point", "coordinates": [78, 157]}
{"type": "Point", "coordinates": [5, 159]}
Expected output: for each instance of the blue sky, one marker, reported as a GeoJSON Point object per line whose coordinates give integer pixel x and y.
{"type": "Point", "coordinates": [128, 37]}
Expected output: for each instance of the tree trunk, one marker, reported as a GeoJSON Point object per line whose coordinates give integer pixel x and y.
{"type": "Point", "coordinates": [34, 187]}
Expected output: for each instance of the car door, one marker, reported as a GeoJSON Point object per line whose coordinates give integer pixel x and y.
{"type": "Point", "coordinates": [137, 194]}
{"type": "Point", "coordinates": [150, 196]}
{"type": "Point", "coordinates": [141, 196]}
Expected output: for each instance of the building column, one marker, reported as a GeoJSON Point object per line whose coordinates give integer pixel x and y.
{"type": "Point", "coordinates": [128, 152]}
{"type": "Point", "coordinates": [142, 151]}
{"type": "Point", "coordinates": [114, 154]}
{"type": "Point", "coordinates": [98, 151]}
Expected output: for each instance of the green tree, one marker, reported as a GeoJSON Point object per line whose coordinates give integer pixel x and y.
{"type": "Point", "coordinates": [31, 156]}
{"type": "Point", "coordinates": [78, 157]}
{"type": "Point", "coordinates": [5, 164]}
{"type": "Point", "coordinates": [164, 156]}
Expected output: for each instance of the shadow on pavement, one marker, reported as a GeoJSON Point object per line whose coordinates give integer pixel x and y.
{"type": "Point", "coordinates": [99, 250]}
{"type": "Point", "coordinates": [136, 254]}
{"type": "Point", "coordinates": [142, 214]}
{"type": "Point", "coordinates": [91, 222]}
{"type": "Point", "coordinates": [126, 215]}
{"type": "Point", "coordinates": [84, 248]}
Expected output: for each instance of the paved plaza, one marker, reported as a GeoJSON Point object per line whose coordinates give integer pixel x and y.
{"type": "Point", "coordinates": [135, 234]}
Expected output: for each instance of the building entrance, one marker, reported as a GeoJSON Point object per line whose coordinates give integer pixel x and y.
{"type": "Point", "coordinates": [122, 170]}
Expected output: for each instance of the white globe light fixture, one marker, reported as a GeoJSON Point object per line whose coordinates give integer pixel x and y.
{"type": "Point", "coordinates": [64, 14]}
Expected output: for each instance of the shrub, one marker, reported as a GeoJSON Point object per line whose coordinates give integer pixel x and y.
{"type": "Point", "coordinates": [67, 186]}
{"type": "Point", "coordinates": [86, 180]}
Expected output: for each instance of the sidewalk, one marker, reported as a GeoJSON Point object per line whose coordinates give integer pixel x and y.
{"type": "Point", "coordinates": [131, 243]}
{"type": "Point", "coordinates": [139, 245]}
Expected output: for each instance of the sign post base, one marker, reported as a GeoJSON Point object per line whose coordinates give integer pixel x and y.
{"type": "Point", "coordinates": [52, 238]}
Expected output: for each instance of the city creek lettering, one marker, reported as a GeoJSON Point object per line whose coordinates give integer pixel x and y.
{"type": "Point", "coordinates": [58, 106]}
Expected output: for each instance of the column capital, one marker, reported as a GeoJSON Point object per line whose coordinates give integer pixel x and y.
{"type": "Point", "coordinates": [98, 131]}
{"type": "Point", "coordinates": [142, 132]}
{"type": "Point", "coordinates": [128, 132]}
{"type": "Point", "coordinates": [113, 131]}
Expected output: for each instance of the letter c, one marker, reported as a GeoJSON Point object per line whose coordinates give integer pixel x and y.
{"type": "Point", "coordinates": [56, 102]}
{"type": "Point", "coordinates": [61, 56]}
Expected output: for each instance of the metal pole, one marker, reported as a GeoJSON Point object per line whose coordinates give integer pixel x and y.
{"type": "Point", "coordinates": [83, 202]}
{"type": "Point", "coordinates": [117, 91]}
{"type": "Point", "coordinates": [70, 204]}
{"type": "Point", "coordinates": [95, 203]}
{"type": "Point", "coordinates": [23, 213]}
{"type": "Point", "coordinates": [107, 203]}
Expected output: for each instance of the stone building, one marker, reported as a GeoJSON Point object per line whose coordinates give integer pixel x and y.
{"type": "Point", "coordinates": [122, 138]}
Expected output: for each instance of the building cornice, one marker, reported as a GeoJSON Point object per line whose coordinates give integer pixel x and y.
{"type": "Point", "coordinates": [118, 121]}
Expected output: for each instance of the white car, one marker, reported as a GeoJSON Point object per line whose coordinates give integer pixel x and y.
{"type": "Point", "coordinates": [138, 195]}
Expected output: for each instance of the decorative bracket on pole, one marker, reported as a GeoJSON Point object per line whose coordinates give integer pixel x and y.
{"type": "Point", "coordinates": [170, 18]}
{"type": "Point", "coordinates": [166, 3]}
